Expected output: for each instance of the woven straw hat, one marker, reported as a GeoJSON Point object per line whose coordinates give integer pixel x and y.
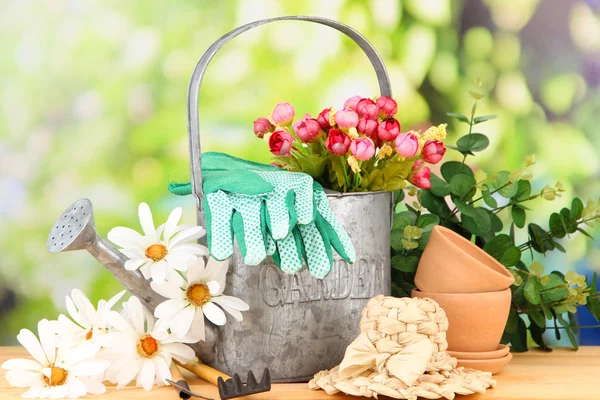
{"type": "Point", "coordinates": [401, 353]}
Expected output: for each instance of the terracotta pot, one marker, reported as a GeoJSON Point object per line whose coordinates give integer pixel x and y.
{"type": "Point", "coordinates": [476, 320]}
{"type": "Point", "coordinates": [481, 355]}
{"type": "Point", "coordinates": [452, 264]}
{"type": "Point", "coordinates": [494, 365]}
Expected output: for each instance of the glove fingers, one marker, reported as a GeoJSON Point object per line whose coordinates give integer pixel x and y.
{"type": "Point", "coordinates": [246, 223]}
{"type": "Point", "coordinates": [337, 235]}
{"type": "Point", "coordinates": [304, 204]}
{"type": "Point", "coordinates": [270, 245]}
{"type": "Point", "coordinates": [278, 217]}
{"type": "Point", "coordinates": [218, 209]}
{"type": "Point", "coordinates": [289, 253]}
{"type": "Point", "coordinates": [318, 250]}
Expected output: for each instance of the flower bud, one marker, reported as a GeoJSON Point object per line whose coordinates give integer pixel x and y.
{"type": "Point", "coordinates": [407, 144]}
{"type": "Point", "coordinates": [362, 148]}
{"type": "Point", "coordinates": [421, 177]}
{"type": "Point", "coordinates": [388, 130]}
{"type": "Point", "coordinates": [283, 114]}
{"type": "Point", "coordinates": [346, 119]}
{"type": "Point", "coordinates": [367, 127]}
{"type": "Point", "coordinates": [352, 102]}
{"type": "Point", "coordinates": [433, 151]}
{"type": "Point", "coordinates": [366, 108]}
{"type": "Point", "coordinates": [280, 142]}
{"type": "Point", "coordinates": [307, 129]}
{"type": "Point", "coordinates": [262, 126]}
{"type": "Point", "coordinates": [337, 142]}
{"type": "Point", "coordinates": [323, 119]}
{"type": "Point", "coordinates": [387, 107]}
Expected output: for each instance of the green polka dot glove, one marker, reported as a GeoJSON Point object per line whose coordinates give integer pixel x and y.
{"type": "Point", "coordinates": [270, 212]}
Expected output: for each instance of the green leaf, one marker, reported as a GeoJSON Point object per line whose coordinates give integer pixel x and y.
{"type": "Point", "coordinates": [538, 318]}
{"type": "Point", "coordinates": [439, 187]}
{"type": "Point", "coordinates": [451, 168]}
{"type": "Point", "coordinates": [404, 219]}
{"type": "Point", "coordinates": [483, 118]}
{"type": "Point", "coordinates": [398, 197]}
{"type": "Point", "coordinates": [489, 199]}
{"type": "Point", "coordinates": [532, 290]}
{"type": "Point", "coordinates": [511, 257]}
{"type": "Point", "coordinates": [537, 334]}
{"type": "Point", "coordinates": [460, 117]}
{"type": "Point", "coordinates": [512, 322]}
{"type": "Point", "coordinates": [584, 232]}
{"type": "Point", "coordinates": [434, 204]}
{"type": "Point", "coordinates": [394, 175]}
{"type": "Point", "coordinates": [464, 208]}
{"type": "Point", "coordinates": [541, 242]}
{"type": "Point", "coordinates": [576, 208]}
{"type": "Point", "coordinates": [497, 225]}
{"type": "Point", "coordinates": [473, 142]}
{"type": "Point", "coordinates": [593, 303]}
{"type": "Point", "coordinates": [554, 290]}
{"type": "Point", "coordinates": [503, 185]}
{"type": "Point", "coordinates": [479, 224]}
{"type": "Point", "coordinates": [462, 185]}
{"type": "Point", "coordinates": [427, 221]}
{"type": "Point", "coordinates": [405, 263]}
{"type": "Point", "coordinates": [569, 330]}
{"type": "Point", "coordinates": [523, 190]}
{"type": "Point", "coordinates": [570, 222]}
{"type": "Point", "coordinates": [518, 216]}
{"type": "Point", "coordinates": [546, 311]}
{"type": "Point", "coordinates": [396, 236]}
{"type": "Point", "coordinates": [557, 227]}
{"type": "Point", "coordinates": [497, 246]}
{"type": "Point", "coordinates": [518, 340]}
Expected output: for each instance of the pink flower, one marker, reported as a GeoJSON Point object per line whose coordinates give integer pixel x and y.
{"type": "Point", "coordinates": [346, 119]}
{"type": "Point", "coordinates": [280, 143]}
{"type": "Point", "coordinates": [362, 148]}
{"type": "Point", "coordinates": [323, 119]}
{"type": "Point", "coordinates": [433, 151]}
{"type": "Point", "coordinates": [407, 144]}
{"type": "Point", "coordinates": [307, 129]}
{"type": "Point", "coordinates": [367, 108]}
{"type": "Point", "coordinates": [367, 127]}
{"type": "Point", "coordinates": [352, 102]}
{"type": "Point", "coordinates": [421, 177]}
{"type": "Point", "coordinates": [387, 107]}
{"type": "Point", "coordinates": [283, 114]}
{"type": "Point", "coordinates": [262, 126]}
{"type": "Point", "coordinates": [388, 129]}
{"type": "Point", "coordinates": [337, 142]}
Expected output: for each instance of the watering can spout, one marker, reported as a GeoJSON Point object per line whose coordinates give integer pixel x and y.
{"type": "Point", "coordinates": [75, 230]}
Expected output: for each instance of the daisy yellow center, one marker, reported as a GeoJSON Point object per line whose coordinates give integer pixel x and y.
{"type": "Point", "coordinates": [156, 252]}
{"type": "Point", "coordinates": [89, 334]}
{"type": "Point", "coordinates": [58, 376]}
{"type": "Point", "coordinates": [198, 294]}
{"type": "Point", "coordinates": [147, 346]}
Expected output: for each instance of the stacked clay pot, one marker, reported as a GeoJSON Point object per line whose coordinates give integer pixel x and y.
{"type": "Point", "coordinates": [474, 291]}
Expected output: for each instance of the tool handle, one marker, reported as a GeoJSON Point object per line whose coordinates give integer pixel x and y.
{"type": "Point", "coordinates": [179, 380]}
{"type": "Point", "coordinates": [203, 371]}
{"type": "Point", "coordinates": [197, 75]}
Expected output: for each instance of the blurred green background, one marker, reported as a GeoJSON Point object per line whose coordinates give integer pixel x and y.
{"type": "Point", "coordinates": [93, 104]}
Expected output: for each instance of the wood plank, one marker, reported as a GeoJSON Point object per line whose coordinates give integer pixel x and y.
{"type": "Point", "coordinates": [535, 375]}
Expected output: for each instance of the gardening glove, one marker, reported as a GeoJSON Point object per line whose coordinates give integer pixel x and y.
{"type": "Point", "coordinates": [247, 195]}
{"type": "Point", "coordinates": [313, 242]}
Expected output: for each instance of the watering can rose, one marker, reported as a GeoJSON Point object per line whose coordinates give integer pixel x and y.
{"type": "Point", "coordinates": [341, 149]}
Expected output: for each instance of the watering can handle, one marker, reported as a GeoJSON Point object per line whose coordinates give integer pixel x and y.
{"type": "Point", "coordinates": [196, 80]}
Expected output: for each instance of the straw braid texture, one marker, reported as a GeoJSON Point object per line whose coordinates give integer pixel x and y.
{"type": "Point", "coordinates": [401, 353]}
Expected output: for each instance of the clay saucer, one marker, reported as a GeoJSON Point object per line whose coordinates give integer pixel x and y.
{"type": "Point", "coordinates": [481, 355]}
{"type": "Point", "coordinates": [494, 365]}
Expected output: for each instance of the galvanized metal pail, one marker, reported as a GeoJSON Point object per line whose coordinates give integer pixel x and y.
{"type": "Point", "coordinates": [298, 325]}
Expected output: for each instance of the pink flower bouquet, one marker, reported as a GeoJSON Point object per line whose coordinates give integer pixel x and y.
{"type": "Point", "coordinates": [358, 148]}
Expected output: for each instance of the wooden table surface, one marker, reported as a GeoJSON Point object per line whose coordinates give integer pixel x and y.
{"type": "Point", "coordinates": [562, 374]}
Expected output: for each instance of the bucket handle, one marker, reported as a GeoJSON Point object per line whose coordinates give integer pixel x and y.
{"type": "Point", "coordinates": [199, 70]}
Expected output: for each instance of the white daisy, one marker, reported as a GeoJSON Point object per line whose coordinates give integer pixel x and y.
{"type": "Point", "coordinates": [188, 304]}
{"type": "Point", "coordinates": [158, 259]}
{"type": "Point", "coordinates": [58, 371]}
{"type": "Point", "coordinates": [141, 349]}
{"type": "Point", "coordinates": [89, 323]}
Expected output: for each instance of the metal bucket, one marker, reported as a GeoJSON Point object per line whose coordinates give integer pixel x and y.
{"type": "Point", "coordinates": [298, 325]}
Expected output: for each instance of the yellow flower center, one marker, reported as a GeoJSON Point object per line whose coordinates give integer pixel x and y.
{"type": "Point", "coordinates": [147, 346]}
{"type": "Point", "coordinates": [156, 252]}
{"type": "Point", "coordinates": [89, 334]}
{"type": "Point", "coordinates": [198, 294]}
{"type": "Point", "coordinates": [58, 376]}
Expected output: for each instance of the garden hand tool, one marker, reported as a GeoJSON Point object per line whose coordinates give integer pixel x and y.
{"type": "Point", "coordinates": [229, 388]}
{"type": "Point", "coordinates": [279, 202]}
{"type": "Point", "coordinates": [179, 383]}
{"type": "Point", "coordinates": [75, 230]}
